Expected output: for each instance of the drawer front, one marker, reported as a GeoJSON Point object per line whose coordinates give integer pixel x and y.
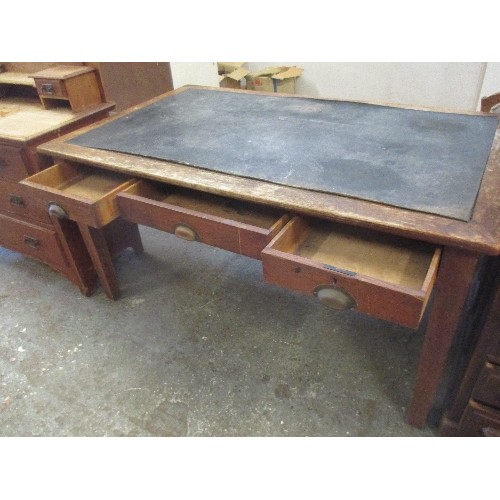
{"type": "Point", "coordinates": [343, 288]}
{"type": "Point", "coordinates": [487, 388]}
{"type": "Point", "coordinates": [12, 163]}
{"type": "Point", "coordinates": [36, 241]}
{"type": "Point", "coordinates": [479, 420]}
{"type": "Point", "coordinates": [80, 193]}
{"type": "Point", "coordinates": [238, 236]}
{"type": "Point", "coordinates": [16, 200]}
{"type": "Point", "coordinates": [50, 88]}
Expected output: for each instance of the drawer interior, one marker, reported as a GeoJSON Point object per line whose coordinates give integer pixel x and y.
{"type": "Point", "coordinates": [79, 181]}
{"type": "Point", "coordinates": [389, 258]}
{"type": "Point", "coordinates": [207, 203]}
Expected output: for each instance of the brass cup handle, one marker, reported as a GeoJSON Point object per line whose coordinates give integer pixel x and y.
{"type": "Point", "coordinates": [57, 211]}
{"type": "Point", "coordinates": [185, 232]}
{"type": "Point", "coordinates": [335, 297]}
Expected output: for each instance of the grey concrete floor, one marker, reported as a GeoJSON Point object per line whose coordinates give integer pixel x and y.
{"type": "Point", "coordinates": [198, 345]}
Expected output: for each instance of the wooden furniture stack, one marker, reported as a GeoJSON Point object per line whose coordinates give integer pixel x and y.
{"type": "Point", "coordinates": [42, 101]}
{"type": "Point", "coordinates": [35, 108]}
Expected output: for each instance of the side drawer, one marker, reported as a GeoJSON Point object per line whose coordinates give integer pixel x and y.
{"type": "Point", "coordinates": [12, 163]}
{"type": "Point", "coordinates": [36, 241]}
{"type": "Point", "coordinates": [233, 225]}
{"type": "Point", "coordinates": [85, 194]}
{"type": "Point", "coordinates": [16, 200]}
{"type": "Point", "coordinates": [487, 388]}
{"type": "Point", "coordinates": [351, 267]}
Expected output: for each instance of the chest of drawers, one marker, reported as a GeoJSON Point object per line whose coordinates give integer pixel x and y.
{"type": "Point", "coordinates": [25, 223]}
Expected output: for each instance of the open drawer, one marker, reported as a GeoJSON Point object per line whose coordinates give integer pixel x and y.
{"type": "Point", "coordinates": [233, 225]}
{"type": "Point", "coordinates": [78, 192]}
{"type": "Point", "coordinates": [351, 267]}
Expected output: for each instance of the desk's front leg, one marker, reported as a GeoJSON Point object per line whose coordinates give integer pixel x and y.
{"type": "Point", "coordinates": [455, 276]}
{"type": "Point", "coordinates": [99, 252]}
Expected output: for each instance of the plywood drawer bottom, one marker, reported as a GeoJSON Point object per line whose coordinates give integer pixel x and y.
{"type": "Point", "coordinates": [348, 267]}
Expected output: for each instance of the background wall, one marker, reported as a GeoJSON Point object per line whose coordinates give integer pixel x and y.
{"type": "Point", "coordinates": [194, 73]}
{"type": "Point", "coordinates": [454, 85]}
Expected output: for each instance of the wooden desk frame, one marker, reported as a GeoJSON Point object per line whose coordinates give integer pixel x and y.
{"type": "Point", "coordinates": [464, 243]}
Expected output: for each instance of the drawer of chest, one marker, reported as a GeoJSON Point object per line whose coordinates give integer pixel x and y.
{"type": "Point", "coordinates": [30, 239]}
{"type": "Point", "coordinates": [478, 420]}
{"type": "Point", "coordinates": [350, 267]}
{"type": "Point", "coordinates": [233, 225]}
{"type": "Point", "coordinates": [78, 192]}
{"type": "Point", "coordinates": [487, 388]}
{"type": "Point", "coordinates": [12, 163]}
{"type": "Point", "coordinates": [15, 199]}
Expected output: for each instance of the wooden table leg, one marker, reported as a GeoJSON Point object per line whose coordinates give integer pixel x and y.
{"type": "Point", "coordinates": [455, 275]}
{"type": "Point", "coordinates": [97, 246]}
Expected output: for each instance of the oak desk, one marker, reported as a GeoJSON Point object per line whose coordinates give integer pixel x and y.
{"type": "Point", "coordinates": [367, 206]}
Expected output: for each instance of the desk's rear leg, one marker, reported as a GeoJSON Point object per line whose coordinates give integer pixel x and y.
{"type": "Point", "coordinates": [455, 276]}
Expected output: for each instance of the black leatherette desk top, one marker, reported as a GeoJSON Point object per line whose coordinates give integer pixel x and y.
{"type": "Point", "coordinates": [426, 161]}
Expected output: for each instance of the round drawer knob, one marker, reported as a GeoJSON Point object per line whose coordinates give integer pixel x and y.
{"type": "Point", "coordinates": [185, 232]}
{"type": "Point", "coordinates": [57, 211]}
{"type": "Point", "coordinates": [335, 297]}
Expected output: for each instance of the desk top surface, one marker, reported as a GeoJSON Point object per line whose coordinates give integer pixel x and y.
{"type": "Point", "coordinates": [420, 160]}
{"type": "Point", "coordinates": [427, 174]}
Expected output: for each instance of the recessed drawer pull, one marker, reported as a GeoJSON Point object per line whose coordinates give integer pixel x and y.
{"type": "Point", "coordinates": [32, 242]}
{"type": "Point", "coordinates": [335, 297]}
{"type": "Point", "coordinates": [47, 88]}
{"type": "Point", "coordinates": [185, 232]}
{"type": "Point", "coordinates": [16, 200]}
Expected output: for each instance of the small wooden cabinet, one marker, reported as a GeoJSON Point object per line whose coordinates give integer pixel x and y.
{"type": "Point", "coordinates": [79, 86]}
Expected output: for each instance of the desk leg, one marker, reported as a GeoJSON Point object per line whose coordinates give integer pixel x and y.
{"type": "Point", "coordinates": [97, 246]}
{"type": "Point", "coordinates": [454, 279]}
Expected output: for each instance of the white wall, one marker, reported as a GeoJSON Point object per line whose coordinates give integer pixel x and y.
{"type": "Point", "coordinates": [453, 85]}
{"type": "Point", "coordinates": [446, 85]}
{"type": "Point", "coordinates": [491, 83]}
{"type": "Point", "coordinates": [194, 73]}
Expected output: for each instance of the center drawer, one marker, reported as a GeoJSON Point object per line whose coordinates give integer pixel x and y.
{"type": "Point", "coordinates": [86, 194]}
{"type": "Point", "coordinates": [221, 222]}
{"type": "Point", "coordinates": [350, 267]}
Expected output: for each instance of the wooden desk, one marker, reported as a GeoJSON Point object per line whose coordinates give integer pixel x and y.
{"type": "Point", "coordinates": [293, 230]}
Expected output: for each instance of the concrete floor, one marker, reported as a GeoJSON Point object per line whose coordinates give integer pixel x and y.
{"type": "Point", "coordinates": [197, 345]}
